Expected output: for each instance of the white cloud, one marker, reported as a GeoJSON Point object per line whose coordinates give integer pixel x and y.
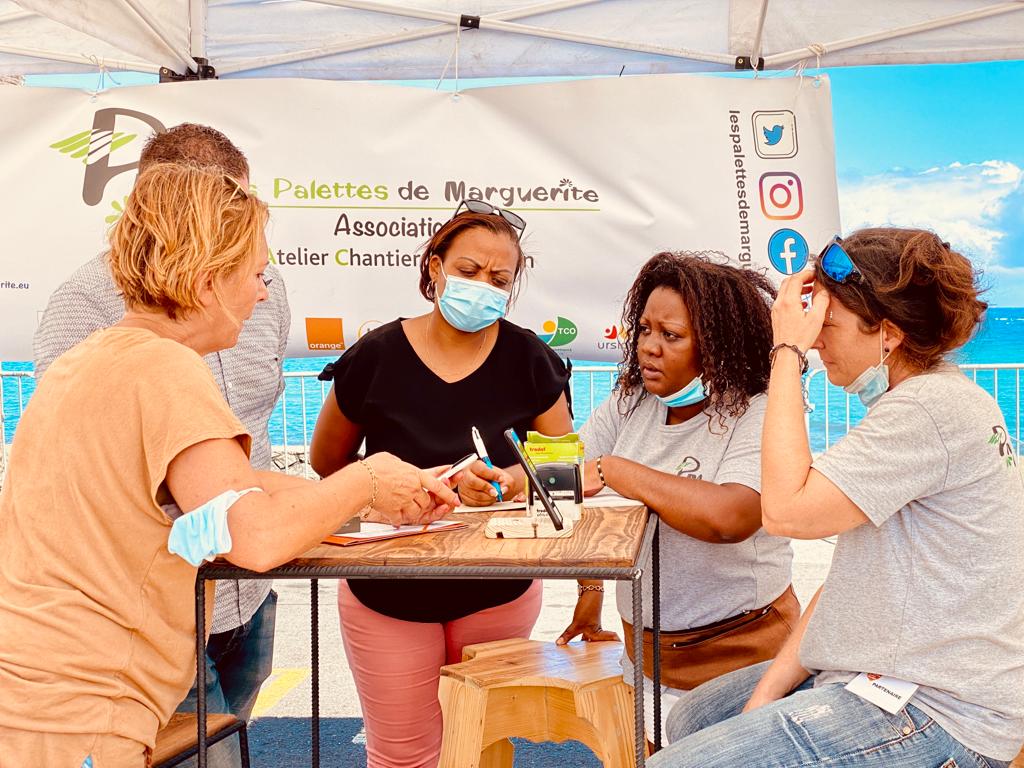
{"type": "Point", "coordinates": [963, 203]}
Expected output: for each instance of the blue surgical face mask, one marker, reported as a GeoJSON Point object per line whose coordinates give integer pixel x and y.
{"type": "Point", "coordinates": [471, 305]}
{"type": "Point", "coordinates": [203, 533]}
{"type": "Point", "coordinates": [874, 381]}
{"type": "Point", "coordinates": [691, 394]}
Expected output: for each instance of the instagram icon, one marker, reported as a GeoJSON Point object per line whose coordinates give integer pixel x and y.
{"type": "Point", "coordinates": [782, 196]}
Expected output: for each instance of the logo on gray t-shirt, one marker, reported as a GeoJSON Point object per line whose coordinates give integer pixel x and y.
{"type": "Point", "coordinates": [1000, 438]}
{"type": "Point", "coordinates": [689, 467]}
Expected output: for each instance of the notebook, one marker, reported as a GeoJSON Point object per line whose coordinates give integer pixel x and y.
{"type": "Point", "coordinates": [382, 531]}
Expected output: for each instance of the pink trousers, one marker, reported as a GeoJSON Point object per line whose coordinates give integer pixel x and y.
{"type": "Point", "coordinates": [397, 664]}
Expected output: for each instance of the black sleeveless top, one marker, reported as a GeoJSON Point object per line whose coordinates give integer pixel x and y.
{"type": "Point", "coordinates": [406, 409]}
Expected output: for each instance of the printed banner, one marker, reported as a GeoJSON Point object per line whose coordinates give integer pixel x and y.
{"type": "Point", "coordinates": [605, 172]}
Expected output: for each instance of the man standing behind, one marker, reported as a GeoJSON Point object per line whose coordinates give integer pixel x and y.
{"type": "Point", "coordinates": [240, 650]}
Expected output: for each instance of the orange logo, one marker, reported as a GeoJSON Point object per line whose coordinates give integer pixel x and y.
{"type": "Point", "coordinates": [872, 676]}
{"type": "Point", "coordinates": [325, 333]}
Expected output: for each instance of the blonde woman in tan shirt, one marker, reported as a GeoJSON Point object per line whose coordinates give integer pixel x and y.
{"type": "Point", "coordinates": [97, 626]}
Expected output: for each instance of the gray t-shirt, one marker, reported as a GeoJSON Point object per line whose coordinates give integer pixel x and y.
{"type": "Point", "coordinates": [932, 589]}
{"type": "Point", "coordinates": [700, 582]}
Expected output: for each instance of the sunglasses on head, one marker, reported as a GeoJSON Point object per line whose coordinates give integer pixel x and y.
{"type": "Point", "coordinates": [482, 206]}
{"type": "Point", "coordinates": [837, 264]}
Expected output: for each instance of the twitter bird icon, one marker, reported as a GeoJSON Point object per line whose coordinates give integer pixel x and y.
{"type": "Point", "coordinates": [773, 135]}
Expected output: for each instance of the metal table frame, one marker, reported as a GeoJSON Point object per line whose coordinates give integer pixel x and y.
{"type": "Point", "coordinates": [633, 574]}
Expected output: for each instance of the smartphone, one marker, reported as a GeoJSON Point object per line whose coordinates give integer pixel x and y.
{"type": "Point", "coordinates": [458, 466]}
{"type": "Point", "coordinates": [531, 473]}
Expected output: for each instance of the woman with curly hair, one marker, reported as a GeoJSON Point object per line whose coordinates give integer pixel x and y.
{"type": "Point", "coordinates": [682, 433]}
{"type": "Point", "coordinates": [911, 652]}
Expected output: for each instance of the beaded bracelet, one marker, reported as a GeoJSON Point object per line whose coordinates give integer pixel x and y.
{"type": "Point", "coordinates": [600, 472]}
{"type": "Point", "coordinates": [804, 365]}
{"type": "Point", "coordinates": [373, 488]}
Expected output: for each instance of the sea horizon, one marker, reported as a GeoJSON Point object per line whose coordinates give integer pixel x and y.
{"type": "Point", "coordinates": [998, 341]}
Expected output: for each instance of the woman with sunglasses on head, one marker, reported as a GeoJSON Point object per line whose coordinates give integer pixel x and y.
{"type": "Point", "coordinates": [683, 435]}
{"type": "Point", "coordinates": [923, 608]}
{"type": "Point", "coordinates": [417, 387]}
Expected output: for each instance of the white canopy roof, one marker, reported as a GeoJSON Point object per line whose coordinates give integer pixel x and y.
{"type": "Point", "coordinates": [421, 39]}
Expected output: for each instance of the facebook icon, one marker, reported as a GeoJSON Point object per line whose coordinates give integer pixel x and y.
{"type": "Point", "coordinates": [787, 251]}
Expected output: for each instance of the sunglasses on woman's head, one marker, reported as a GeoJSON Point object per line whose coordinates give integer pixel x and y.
{"type": "Point", "coordinates": [837, 264]}
{"type": "Point", "coordinates": [482, 206]}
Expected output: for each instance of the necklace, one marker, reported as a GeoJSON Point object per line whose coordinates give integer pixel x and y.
{"type": "Point", "coordinates": [447, 374]}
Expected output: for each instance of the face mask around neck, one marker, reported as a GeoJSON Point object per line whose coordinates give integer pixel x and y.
{"type": "Point", "coordinates": [691, 394]}
{"type": "Point", "coordinates": [873, 382]}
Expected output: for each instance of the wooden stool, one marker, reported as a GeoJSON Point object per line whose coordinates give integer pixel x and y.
{"type": "Point", "coordinates": [537, 691]}
{"type": "Point", "coordinates": [177, 741]}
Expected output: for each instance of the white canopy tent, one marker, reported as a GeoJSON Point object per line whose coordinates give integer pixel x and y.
{"type": "Point", "coordinates": [425, 39]}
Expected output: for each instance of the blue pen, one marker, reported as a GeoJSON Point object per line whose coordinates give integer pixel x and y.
{"type": "Point", "coordinates": [478, 444]}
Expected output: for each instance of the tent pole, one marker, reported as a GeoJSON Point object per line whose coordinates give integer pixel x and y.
{"type": "Point", "coordinates": [490, 23]}
{"type": "Point", "coordinates": [755, 50]}
{"type": "Point", "coordinates": [83, 61]}
{"type": "Point", "coordinates": [524, 29]}
{"type": "Point", "coordinates": [182, 56]}
{"type": "Point", "coordinates": [400, 37]}
{"type": "Point", "coordinates": [779, 60]}
{"type": "Point", "coordinates": [197, 28]}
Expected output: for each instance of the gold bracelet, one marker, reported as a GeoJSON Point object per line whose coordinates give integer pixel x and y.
{"type": "Point", "coordinates": [600, 472]}
{"type": "Point", "coordinates": [373, 488]}
{"type": "Point", "coordinates": [581, 588]}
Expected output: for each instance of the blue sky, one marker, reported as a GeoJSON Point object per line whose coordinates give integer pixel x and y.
{"type": "Point", "coordinates": [938, 146]}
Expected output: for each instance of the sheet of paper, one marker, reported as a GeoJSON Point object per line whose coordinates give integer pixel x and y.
{"type": "Point", "coordinates": [609, 500]}
{"type": "Point", "coordinates": [889, 693]}
{"type": "Point", "coordinates": [373, 530]}
{"type": "Point", "coordinates": [500, 506]}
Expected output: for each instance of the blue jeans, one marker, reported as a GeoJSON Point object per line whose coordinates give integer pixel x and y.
{"type": "Point", "coordinates": [237, 663]}
{"type": "Point", "coordinates": [826, 726]}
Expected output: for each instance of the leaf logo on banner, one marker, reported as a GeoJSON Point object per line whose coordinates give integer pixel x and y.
{"type": "Point", "coordinates": [558, 332]}
{"type": "Point", "coordinates": [118, 206]}
{"type": "Point", "coordinates": [87, 143]}
{"type": "Point", "coordinates": [94, 148]}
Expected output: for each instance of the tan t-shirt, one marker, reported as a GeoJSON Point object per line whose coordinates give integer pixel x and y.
{"type": "Point", "coordinates": [97, 618]}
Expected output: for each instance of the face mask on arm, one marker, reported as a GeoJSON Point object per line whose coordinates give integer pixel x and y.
{"type": "Point", "coordinates": [203, 533]}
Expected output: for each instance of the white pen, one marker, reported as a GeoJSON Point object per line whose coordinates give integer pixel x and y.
{"type": "Point", "coordinates": [481, 450]}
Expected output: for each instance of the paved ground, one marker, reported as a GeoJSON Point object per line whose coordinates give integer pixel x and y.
{"type": "Point", "coordinates": [280, 733]}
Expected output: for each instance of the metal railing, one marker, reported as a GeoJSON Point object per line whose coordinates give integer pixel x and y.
{"type": "Point", "coordinates": [291, 425]}
{"type": "Point", "coordinates": [835, 412]}
{"type": "Point", "coordinates": [16, 388]}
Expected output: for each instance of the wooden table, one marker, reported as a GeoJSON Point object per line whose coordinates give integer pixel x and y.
{"type": "Point", "coordinates": [607, 543]}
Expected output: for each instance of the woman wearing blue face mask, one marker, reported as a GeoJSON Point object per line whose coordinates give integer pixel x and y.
{"type": "Point", "coordinates": [418, 387]}
{"type": "Point", "coordinates": [910, 653]}
{"type": "Point", "coordinates": [682, 433]}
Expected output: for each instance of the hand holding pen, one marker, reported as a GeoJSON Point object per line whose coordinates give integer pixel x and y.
{"type": "Point", "coordinates": [483, 483]}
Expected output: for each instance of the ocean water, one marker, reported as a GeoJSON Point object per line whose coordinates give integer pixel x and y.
{"type": "Point", "coordinates": [999, 341]}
